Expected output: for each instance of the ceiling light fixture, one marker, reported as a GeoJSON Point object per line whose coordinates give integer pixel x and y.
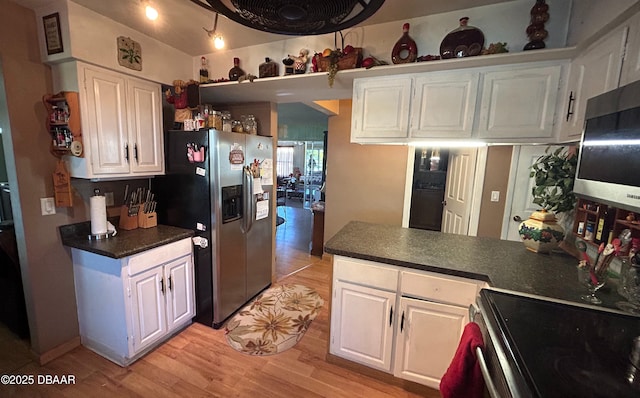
{"type": "Point", "coordinates": [218, 40]}
{"type": "Point", "coordinates": [295, 17]}
{"type": "Point", "coordinates": [150, 12]}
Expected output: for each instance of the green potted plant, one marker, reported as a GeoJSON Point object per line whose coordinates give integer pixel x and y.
{"type": "Point", "coordinates": [553, 174]}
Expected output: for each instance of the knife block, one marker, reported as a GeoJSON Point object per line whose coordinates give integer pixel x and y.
{"type": "Point", "coordinates": [147, 220]}
{"type": "Point", "coordinates": [127, 222]}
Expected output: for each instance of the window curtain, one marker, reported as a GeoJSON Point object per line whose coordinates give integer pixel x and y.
{"type": "Point", "coordinates": [285, 161]}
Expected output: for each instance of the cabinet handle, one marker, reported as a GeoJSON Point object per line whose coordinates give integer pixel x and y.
{"type": "Point", "coordinates": [170, 284]}
{"type": "Point", "coordinates": [402, 322]}
{"type": "Point", "coordinates": [126, 152]}
{"type": "Point", "coordinates": [391, 316]}
{"type": "Point", "coordinates": [162, 286]}
{"type": "Point", "coordinates": [569, 108]}
{"type": "Point", "coordinates": [135, 152]}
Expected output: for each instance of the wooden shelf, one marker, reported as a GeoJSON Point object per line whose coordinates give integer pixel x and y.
{"type": "Point", "coordinates": [614, 220]}
{"type": "Point", "coordinates": [72, 124]}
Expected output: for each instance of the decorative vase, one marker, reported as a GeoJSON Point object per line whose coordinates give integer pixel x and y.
{"type": "Point", "coordinates": [540, 233]}
{"type": "Point", "coordinates": [405, 50]}
{"type": "Point", "coordinates": [464, 41]}
{"type": "Point", "coordinates": [268, 68]}
{"type": "Point", "coordinates": [236, 71]}
{"type": "Point", "coordinates": [536, 31]}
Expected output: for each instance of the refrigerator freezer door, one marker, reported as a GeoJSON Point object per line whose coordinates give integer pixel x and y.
{"type": "Point", "coordinates": [260, 235]}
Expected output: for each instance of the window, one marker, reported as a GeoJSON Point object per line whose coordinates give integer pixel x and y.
{"type": "Point", "coordinates": [284, 161]}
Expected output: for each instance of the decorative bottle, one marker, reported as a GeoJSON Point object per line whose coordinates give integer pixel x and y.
{"type": "Point", "coordinates": [536, 31]}
{"type": "Point", "coordinates": [405, 49]}
{"type": "Point", "coordinates": [236, 71]}
{"type": "Point", "coordinates": [268, 68]}
{"type": "Point", "coordinates": [464, 41]}
{"type": "Point", "coordinates": [204, 73]}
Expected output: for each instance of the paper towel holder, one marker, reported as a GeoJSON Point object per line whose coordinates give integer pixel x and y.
{"type": "Point", "coordinates": [106, 235]}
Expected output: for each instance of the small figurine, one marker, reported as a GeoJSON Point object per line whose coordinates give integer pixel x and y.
{"type": "Point", "coordinates": [300, 62]}
{"type": "Point", "coordinates": [180, 102]}
{"type": "Point", "coordinates": [288, 66]}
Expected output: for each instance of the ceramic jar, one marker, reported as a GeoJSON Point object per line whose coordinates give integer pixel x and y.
{"type": "Point", "coordinates": [541, 233]}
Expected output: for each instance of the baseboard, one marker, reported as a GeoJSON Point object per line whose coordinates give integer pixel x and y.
{"type": "Point", "coordinates": [56, 352]}
{"type": "Point", "coordinates": [410, 386]}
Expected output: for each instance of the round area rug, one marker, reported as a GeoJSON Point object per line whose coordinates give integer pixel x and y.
{"type": "Point", "coordinates": [274, 321]}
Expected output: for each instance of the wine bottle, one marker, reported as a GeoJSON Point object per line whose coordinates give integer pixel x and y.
{"type": "Point", "coordinates": [204, 73]}
{"type": "Point", "coordinates": [236, 71]}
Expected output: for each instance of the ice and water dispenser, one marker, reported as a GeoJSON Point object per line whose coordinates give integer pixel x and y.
{"type": "Point", "coordinates": [231, 203]}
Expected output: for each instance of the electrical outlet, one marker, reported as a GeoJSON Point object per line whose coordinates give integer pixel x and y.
{"type": "Point", "coordinates": [495, 196]}
{"type": "Point", "coordinates": [47, 206]}
{"type": "Point", "coordinates": [108, 198]}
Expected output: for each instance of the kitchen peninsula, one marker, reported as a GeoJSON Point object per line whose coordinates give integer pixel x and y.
{"type": "Point", "coordinates": [500, 263]}
{"type": "Point", "coordinates": [401, 296]}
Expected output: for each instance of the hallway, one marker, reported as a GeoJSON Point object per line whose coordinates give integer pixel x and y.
{"type": "Point", "coordinates": [293, 238]}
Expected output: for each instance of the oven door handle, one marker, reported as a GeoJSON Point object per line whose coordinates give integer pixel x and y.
{"type": "Point", "coordinates": [493, 392]}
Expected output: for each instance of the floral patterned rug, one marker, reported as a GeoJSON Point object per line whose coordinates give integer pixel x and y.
{"type": "Point", "coordinates": [274, 321]}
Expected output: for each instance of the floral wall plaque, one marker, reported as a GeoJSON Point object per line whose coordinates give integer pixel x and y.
{"type": "Point", "coordinates": [129, 53]}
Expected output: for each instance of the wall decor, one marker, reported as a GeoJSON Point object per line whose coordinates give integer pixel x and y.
{"type": "Point", "coordinates": [129, 53]}
{"type": "Point", "coordinates": [52, 33]}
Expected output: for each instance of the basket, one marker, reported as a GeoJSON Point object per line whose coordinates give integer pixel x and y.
{"type": "Point", "coordinates": [350, 61]}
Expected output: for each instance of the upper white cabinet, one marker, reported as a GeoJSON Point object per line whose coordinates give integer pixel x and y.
{"type": "Point", "coordinates": [595, 71]}
{"type": "Point", "coordinates": [509, 103]}
{"type": "Point", "coordinates": [443, 105]}
{"type": "Point", "coordinates": [631, 65]}
{"type": "Point", "coordinates": [381, 109]}
{"type": "Point", "coordinates": [123, 119]}
{"type": "Point", "coordinates": [519, 103]}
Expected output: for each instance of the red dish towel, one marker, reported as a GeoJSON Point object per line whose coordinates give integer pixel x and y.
{"type": "Point", "coordinates": [463, 378]}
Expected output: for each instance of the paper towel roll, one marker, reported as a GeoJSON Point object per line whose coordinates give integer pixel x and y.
{"type": "Point", "coordinates": [98, 215]}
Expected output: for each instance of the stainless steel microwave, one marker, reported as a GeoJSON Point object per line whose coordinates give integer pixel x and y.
{"type": "Point", "coordinates": [609, 162]}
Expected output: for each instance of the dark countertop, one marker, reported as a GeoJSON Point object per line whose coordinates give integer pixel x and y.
{"type": "Point", "coordinates": [125, 243]}
{"type": "Point", "coordinates": [503, 264]}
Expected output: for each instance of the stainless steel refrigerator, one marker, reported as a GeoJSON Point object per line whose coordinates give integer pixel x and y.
{"type": "Point", "coordinates": [210, 188]}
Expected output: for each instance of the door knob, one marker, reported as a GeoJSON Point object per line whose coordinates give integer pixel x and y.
{"type": "Point", "coordinates": [444, 202]}
{"type": "Point", "coordinates": [517, 218]}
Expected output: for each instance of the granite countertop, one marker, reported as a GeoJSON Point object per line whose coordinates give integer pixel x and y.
{"type": "Point", "coordinates": [125, 243]}
{"type": "Point", "coordinates": [505, 265]}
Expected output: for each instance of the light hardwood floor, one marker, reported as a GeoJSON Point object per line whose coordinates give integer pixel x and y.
{"type": "Point", "coordinates": [198, 362]}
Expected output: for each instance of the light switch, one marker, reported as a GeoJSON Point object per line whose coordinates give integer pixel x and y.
{"type": "Point", "coordinates": [495, 196]}
{"type": "Point", "coordinates": [47, 206]}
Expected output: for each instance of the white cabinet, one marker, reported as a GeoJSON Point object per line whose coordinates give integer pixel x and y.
{"type": "Point", "coordinates": [425, 359]}
{"type": "Point", "coordinates": [519, 103]}
{"type": "Point", "coordinates": [363, 327]}
{"type": "Point", "coordinates": [381, 109]}
{"type": "Point", "coordinates": [123, 119]}
{"type": "Point", "coordinates": [595, 71]}
{"type": "Point", "coordinates": [379, 310]}
{"type": "Point", "coordinates": [444, 105]}
{"type": "Point", "coordinates": [508, 103]}
{"type": "Point", "coordinates": [631, 63]}
{"type": "Point", "coordinates": [128, 306]}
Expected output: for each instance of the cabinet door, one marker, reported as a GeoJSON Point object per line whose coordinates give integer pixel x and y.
{"type": "Point", "coordinates": [148, 307]}
{"type": "Point", "coordinates": [427, 338]}
{"type": "Point", "coordinates": [381, 109]}
{"type": "Point", "coordinates": [362, 324]}
{"type": "Point", "coordinates": [107, 122]}
{"type": "Point", "coordinates": [631, 63]}
{"type": "Point", "coordinates": [145, 127]}
{"type": "Point", "coordinates": [444, 105]}
{"type": "Point", "coordinates": [594, 72]}
{"type": "Point", "coordinates": [180, 292]}
{"type": "Point", "coordinates": [519, 103]}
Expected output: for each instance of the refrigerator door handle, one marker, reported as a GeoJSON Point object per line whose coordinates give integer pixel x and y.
{"type": "Point", "coordinates": [247, 193]}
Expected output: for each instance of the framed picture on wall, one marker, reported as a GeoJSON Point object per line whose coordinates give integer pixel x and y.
{"type": "Point", "coordinates": [52, 33]}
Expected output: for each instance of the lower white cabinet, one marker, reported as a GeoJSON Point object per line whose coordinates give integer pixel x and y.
{"type": "Point", "coordinates": [407, 323]}
{"type": "Point", "coordinates": [363, 327]}
{"type": "Point", "coordinates": [428, 336]}
{"type": "Point", "coordinates": [128, 306]}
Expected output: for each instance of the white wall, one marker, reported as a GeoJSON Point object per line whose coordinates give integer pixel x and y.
{"type": "Point", "coordinates": [504, 22]}
{"type": "Point", "coordinates": [91, 37]}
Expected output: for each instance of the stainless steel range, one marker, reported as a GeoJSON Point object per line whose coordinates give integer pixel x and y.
{"type": "Point", "coordinates": [541, 348]}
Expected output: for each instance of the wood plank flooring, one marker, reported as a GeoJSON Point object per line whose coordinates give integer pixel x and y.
{"type": "Point", "coordinates": [198, 362]}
